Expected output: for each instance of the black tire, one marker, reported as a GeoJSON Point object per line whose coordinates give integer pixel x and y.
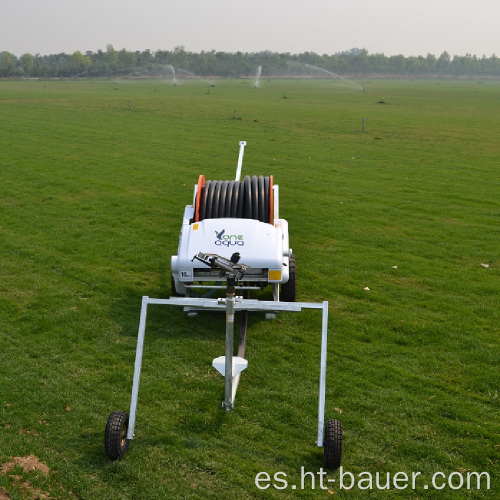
{"type": "Point", "coordinates": [115, 436]}
{"type": "Point", "coordinates": [333, 444]}
{"type": "Point", "coordinates": [289, 289]}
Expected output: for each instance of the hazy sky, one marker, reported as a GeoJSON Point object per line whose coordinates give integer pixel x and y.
{"type": "Point", "coordinates": [408, 27]}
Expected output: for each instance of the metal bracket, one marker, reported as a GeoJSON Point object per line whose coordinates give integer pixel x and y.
{"type": "Point", "coordinates": [240, 305]}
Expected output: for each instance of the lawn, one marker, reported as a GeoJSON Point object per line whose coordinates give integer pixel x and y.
{"type": "Point", "coordinates": [397, 226]}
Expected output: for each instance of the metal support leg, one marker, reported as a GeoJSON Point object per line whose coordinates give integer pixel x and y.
{"type": "Point", "coordinates": [137, 368]}
{"type": "Point", "coordinates": [231, 383]}
{"type": "Point", "coordinates": [228, 392]}
{"type": "Point", "coordinates": [322, 376]}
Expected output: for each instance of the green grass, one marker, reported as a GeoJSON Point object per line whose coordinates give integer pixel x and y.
{"type": "Point", "coordinates": [92, 197]}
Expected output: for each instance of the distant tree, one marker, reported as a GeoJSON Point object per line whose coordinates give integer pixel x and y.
{"type": "Point", "coordinates": [147, 56]}
{"type": "Point", "coordinates": [111, 58]}
{"type": "Point", "coordinates": [163, 57]}
{"type": "Point", "coordinates": [377, 63]}
{"type": "Point", "coordinates": [127, 59]}
{"type": "Point", "coordinates": [78, 62]}
{"type": "Point", "coordinates": [431, 63]}
{"type": "Point", "coordinates": [27, 63]}
{"type": "Point", "coordinates": [443, 63]}
{"type": "Point", "coordinates": [413, 66]}
{"type": "Point", "coordinates": [180, 57]}
{"type": "Point", "coordinates": [239, 64]}
{"type": "Point", "coordinates": [464, 65]}
{"type": "Point", "coordinates": [6, 64]}
{"type": "Point", "coordinates": [207, 64]}
{"type": "Point", "coordinates": [491, 65]}
{"type": "Point", "coordinates": [397, 64]}
{"type": "Point", "coordinates": [360, 61]}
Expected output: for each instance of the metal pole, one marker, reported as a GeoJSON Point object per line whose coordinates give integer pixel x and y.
{"type": "Point", "coordinates": [228, 372]}
{"type": "Point", "coordinates": [137, 368]}
{"type": "Point", "coordinates": [240, 160]}
{"type": "Point", "coordinates": [322, 376]}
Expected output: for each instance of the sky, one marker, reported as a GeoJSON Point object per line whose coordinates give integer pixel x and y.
{"type": "Point", "coordinates": [408, 27]}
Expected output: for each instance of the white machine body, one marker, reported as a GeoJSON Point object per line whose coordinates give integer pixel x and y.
{"type": "Point", "coordinates": [262, 246]}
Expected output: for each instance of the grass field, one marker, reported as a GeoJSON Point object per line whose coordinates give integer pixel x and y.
{"type": "Point", "coordinates": [92, 197]}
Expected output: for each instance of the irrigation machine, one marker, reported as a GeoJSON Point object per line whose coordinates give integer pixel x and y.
{"type": "Point", "coordinates": [233, 239]}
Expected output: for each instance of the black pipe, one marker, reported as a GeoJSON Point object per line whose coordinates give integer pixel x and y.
{"type": "Point", "coordinates": [247, 199]}
{"type": "Point", "coordinates": [229, 199]}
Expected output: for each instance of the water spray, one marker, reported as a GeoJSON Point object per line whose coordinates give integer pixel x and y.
{"type": "Point", "coordinates": [257, 76]}
{"type": "Point", "coordinates": [335, 76]}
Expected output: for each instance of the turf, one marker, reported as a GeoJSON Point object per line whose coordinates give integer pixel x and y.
{"type": "Point", "coordinates": [92, 197]}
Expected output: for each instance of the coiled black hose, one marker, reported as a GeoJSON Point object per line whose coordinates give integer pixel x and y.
{"type": "Point", "coordinates": [247, 199]}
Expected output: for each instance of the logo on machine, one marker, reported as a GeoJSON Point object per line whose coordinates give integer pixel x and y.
{"type": "Point", "coordinates": [228, 239]}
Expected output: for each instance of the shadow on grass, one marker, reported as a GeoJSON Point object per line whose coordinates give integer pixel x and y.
{"type": "Point", "coordinates": [190, 432]}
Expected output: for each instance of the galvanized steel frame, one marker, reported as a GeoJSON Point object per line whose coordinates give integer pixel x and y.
{"type": "Point", "coordinates": [240, 304]}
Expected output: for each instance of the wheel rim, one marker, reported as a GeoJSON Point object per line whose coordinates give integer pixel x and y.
{"type": "Point", "coordinates": [123, 436]}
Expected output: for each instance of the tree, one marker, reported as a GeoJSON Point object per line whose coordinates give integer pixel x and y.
{"type": "Point", "coordinates": [27, 62]}
{"type": "Point", "coordinates": [378, 63]}
{"type": "Point", "coordinates": [244, 64]}
{"type": "Point", "coordinates": [397, 64]}
{"type": "Point", "coordinates": [431, 63]}
{"type": "Point", "coordinates": [78, 61]}
{"type": "Point", "coordinates": [180, 57]}
{"type": "Point", "coordinates": [464, 65]}
{"type": "Point", "coordinates": [359, 60]}
{"type": "Point", "coordinates": [111, 57]}
{"type": "Point", "coordinates": [413, 65]}
{"type": "Point", "coordinates": [492, 65]}
{"type": "Point", "coordinates": [127, 59]}
{"type": "Point", "coordinates": [6, 63]}
{"type": "Point", "coordinates": [443, 63]}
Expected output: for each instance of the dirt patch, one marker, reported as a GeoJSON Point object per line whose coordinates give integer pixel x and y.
{"type": "Point", "coordinates": [29, 464]}
{"type": "Point", "coordinates": [32, 492]}
{"type": "Point", "coordinates": [21, 485]}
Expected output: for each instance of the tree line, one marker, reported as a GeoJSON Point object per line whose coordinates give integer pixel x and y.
{"type": "Point", "coordinates": [355, 63]}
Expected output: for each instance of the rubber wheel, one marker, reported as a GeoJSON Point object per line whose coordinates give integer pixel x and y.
{"type": "Point", "coordinates": [289, 289]}
{"type": "Point", "coordinates": [115, 436]}
{"type": "Point", "coordinates": [333, 444]}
